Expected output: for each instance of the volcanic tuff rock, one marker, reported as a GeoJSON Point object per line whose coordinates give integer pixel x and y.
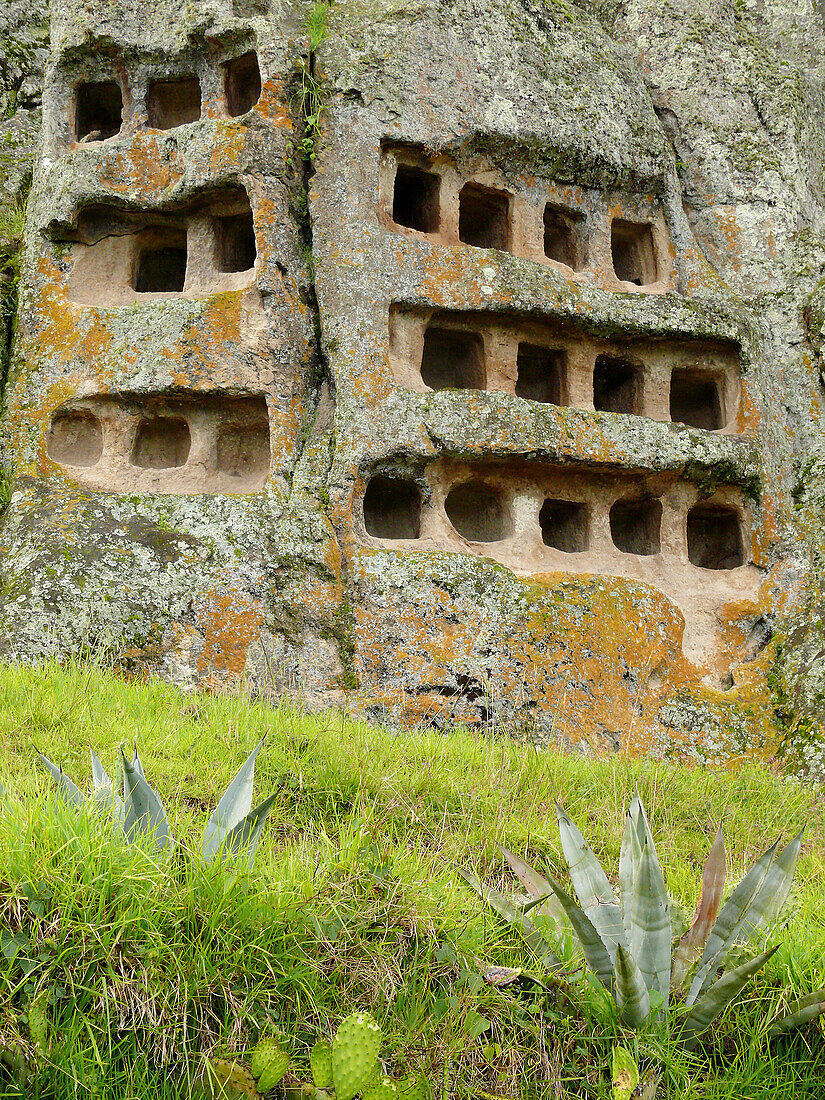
{"type": "Point", "coordinates": [489, 391]}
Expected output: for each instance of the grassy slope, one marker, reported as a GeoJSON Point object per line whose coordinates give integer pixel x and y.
{"type": "Point", "coordinates": [354, 901]}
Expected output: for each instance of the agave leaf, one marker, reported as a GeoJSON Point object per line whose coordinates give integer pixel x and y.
{"type": "Point", "coordinates": [537, 887]}
{"type": "Point", "coordinates": [592, 888]}
{"type": "Point", "coordinates": [595, 949]}
{"type": "Point", "coordinates": [629, 858]}
{"type": "Point", "coordinates": [68, 790]}
{"type": "Point", "coordinates": [100, 778]}
{"type": "Point", "coordinates": [692, 944]}
{"type": "Point", "coordinates": [799, 1012]}
{"type": "Point", "coordinates": [144, 812]}
{"type": "Point", "coordinates": [233, 808]}
{"type": "Point", "coordinates": [137, 764]}
{"type": "Point", "coordinates": [728, 922]}
{"type": "Point", "coordinates": [244, 837]}
{"type": "Point", "coordinates": [508, 911]}
{"type": "Point", "coordinates": [650, 932]}
{"type": "Point", "coordinates": [773, 893]}
{"type": "Point", "coordinates": [631, 992]}
{"type": "Point", "coordinates": [720, 994]}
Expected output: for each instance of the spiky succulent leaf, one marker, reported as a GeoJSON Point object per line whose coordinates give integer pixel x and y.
{"type": "Point", "coordinates": [631, 993]}
{"type": "Point", "coordinates": [692, 944]}
{"type": "Point", "coordinates": [595, 949]}
{"type": "Point", "coordinates": [591, 885]}
{"type": "Point", "coordinates": [728, 923]}
{"type": "Point", "coordinates": [68, 790]}
{"type": "Point", "coordinates": [800, 1012]}
{"type": "Point", "coordinates": [136, 763]}
{"type": "Point", "coordinates": [648, 921]}
{"type": "Point", "coordinates": [354, 1054]}
{"type": "Point", "coordinates": [100, 777]}
{"type": "Point", "coordinates": [718, 997]}
{"type": "Point", "coordinates": [629, 855]}
{"type": "Point", "coordinates": [244, 837]}
{"type": "Point", "coordinates": [505, 908]}
{"type": "Point", "coordinates": [233, 807]}
{"type": "Point", "coordinates": [773, 893]}
{"type": "Point", "coordinates": [320, 1061]}
{"type": "Point", "coordinates": [144, 812]}
{"type": "Point", "coordinates": [625, 1074]}
{"type": "Point", "coordinates": [537, 887]}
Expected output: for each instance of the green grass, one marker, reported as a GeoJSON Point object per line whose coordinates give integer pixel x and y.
{"type": "Point", "coordinates": [354, 901]}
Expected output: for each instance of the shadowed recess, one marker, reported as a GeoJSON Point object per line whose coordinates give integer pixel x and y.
{"type": "Point", "coordinates": [565, 525]}
{"type": "Point", "coordinates": [392, 508]}
{"type": "Point", "coordinates": [478, 512]}
{"type": "Point", "coordinates": [98, 111]}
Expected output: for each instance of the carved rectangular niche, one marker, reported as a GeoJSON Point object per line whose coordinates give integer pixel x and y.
{"type": "Point", "coordinates": [536, 517]}
{"type": "Point", "coordinates": [172, 103]}
{"type": "Point", "coordinates": [98, 111]}
{"type": "Point", "coordinates": [575, 230]}
{"type": "Point", "coordinates": [691, 382]}
{"type": "Point", "coordinates": [156, 443]}
{"type": "Point", "coordinates": [242, 83]}
{"type": "Point", "coordinates": [125, 255]}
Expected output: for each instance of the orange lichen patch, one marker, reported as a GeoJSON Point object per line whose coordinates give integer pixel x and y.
{"type": "Point", "coordinates": [747, 415]}
{"type": "Point", "coordinates": [728, 229]}
{"type": "Point", "coordinates": [272, 104]}
{"type": "Point", "coordinates": [148, 158]}
{"type": "Point", "coordinates": [229, 620]}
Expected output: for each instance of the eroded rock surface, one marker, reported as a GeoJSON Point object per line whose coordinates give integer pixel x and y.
{"type": "Point", "coordinates": [490, 392]}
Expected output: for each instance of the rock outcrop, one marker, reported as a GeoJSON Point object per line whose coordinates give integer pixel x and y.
{"type": "Point", "coordinates": [440, 361]}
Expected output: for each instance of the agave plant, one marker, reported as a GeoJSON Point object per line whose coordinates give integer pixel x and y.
{"type": "Point", "coordinates": [233, 829]}
{"type": "Point", "coordinates": [627, 942]}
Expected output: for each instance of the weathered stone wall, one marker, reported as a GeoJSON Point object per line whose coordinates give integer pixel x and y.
{"type": "Point", "coordinates": [492, 393]}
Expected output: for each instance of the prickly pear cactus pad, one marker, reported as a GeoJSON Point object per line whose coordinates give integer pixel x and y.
{"type": "Point", "coordinates": [269, 1063]}
{"type": "Point", "coordinates": [491, 393]}
{"type": "Point", "coordinates": [321, 1064]}
{"type": "Point", "coordinates": [354, 1054]}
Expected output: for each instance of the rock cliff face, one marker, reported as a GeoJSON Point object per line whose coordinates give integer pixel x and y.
{"type": "Point", "coordinates": [442, 361]}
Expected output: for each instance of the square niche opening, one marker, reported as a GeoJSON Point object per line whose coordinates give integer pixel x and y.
{"type": "Point", "coordinates": [173, 103]}
{"type": "Point", "coordinates": [235, 239]}
{"type": "Point", "coordinates": [161, 443]}
{"type": "Point", "coordinates": [392, 508]}
{"type": "Point", "coordinates": [617, 385]}
{"type": "Point", "coordinates": [243, 451]}
{"type": "Point", "coordinates": [714, 536]}
{"type": "Point", "coordinates": [565, 525]}
{"type": "Point", "coordinates": [453, 360]}
{"type": "Point", "coordinates": [562, 236]}
{"type": "Point", "coordinates": [634, 252]}
{"type": "Point", "coordinates": [75, 438]}
{"type": "Point", "coordinates": [696, 399]}
{"type": "Point", "coordinates": [415, 199]}
{"type": "Point", "coordinates": [242, 83]}
{"type": "Point", "coordinates": [161, 267]}
{"type": "Point", "coordinates": [635, 526]}
{"type": "Point", "coordinates": [98, 111]}
{"type": "Point", "coordinates": [542, 374]}
{"type": "Point", "coordinates": [484, 217]}
{"type": "Point", "coordinates": [478, 512]}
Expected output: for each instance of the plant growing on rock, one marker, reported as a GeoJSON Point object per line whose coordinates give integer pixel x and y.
{"type": "Point", "coordinates": [627, 941]}
{"type": "Point", "coordinates": [234, 828]}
